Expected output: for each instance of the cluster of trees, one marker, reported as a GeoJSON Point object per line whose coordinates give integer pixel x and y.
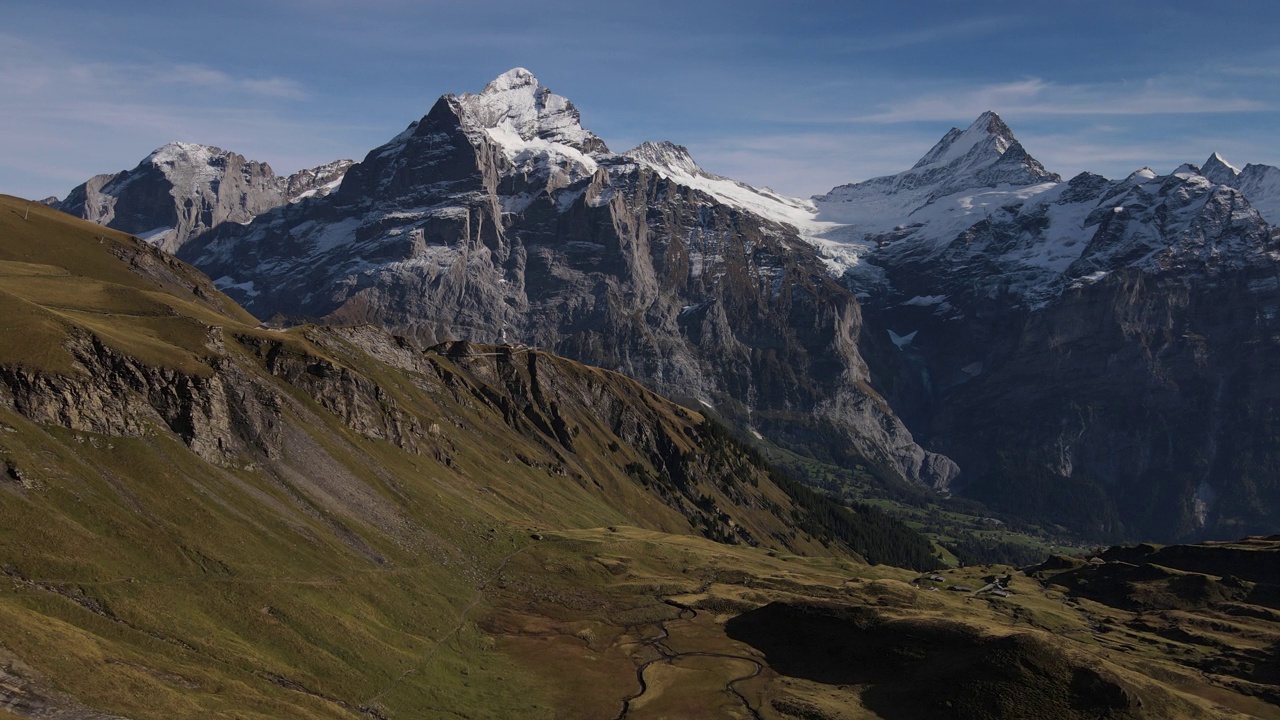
{"type": "Point", "coordinates": [1020, 489]}
{"type": "Point", "coordinates": [870, 532]}
{"type": "Point", "coordinates": [974, 550]}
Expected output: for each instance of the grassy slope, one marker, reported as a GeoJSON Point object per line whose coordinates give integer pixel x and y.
{"type": "Point", "coordinates": [490, 572]}
{"type": "Point", "coordinates": [345, 570]}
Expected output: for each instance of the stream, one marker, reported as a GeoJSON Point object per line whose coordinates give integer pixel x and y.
{"type": "Point", "coordinates": [666, 655]}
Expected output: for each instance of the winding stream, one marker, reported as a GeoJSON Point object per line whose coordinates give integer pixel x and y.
{"type": "Point", "coordinates": [666, 655]}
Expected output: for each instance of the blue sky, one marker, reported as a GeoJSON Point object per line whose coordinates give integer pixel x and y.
{"type": "Point", "coordinates": [797, 98]}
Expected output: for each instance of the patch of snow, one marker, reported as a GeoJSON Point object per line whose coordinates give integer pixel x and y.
{"type": "Point", "coordinates": [320, 191]}
{"type": "Point", "coordinates": [902, 341]}
{"type": "Point", "coordinates": [516, 203]}
{"type": "Point", "coordinates": [156, 236]}
{"type": "Point", "coordinates": [187, 165]}
{"type": "Point", "coordinates": [329, 236]}
{"type": "Point", "coordinates": [226, 283]}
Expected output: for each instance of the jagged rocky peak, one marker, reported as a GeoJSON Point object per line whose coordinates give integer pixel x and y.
{"type": "Point", "coordinates": [666, 156]}
{"type": "Point", "coordinates": [1188, 173]}
{"type": "Point", "coordinates": [515, 109]}
{"type": "Point", "coordinates": [988, 136]}
{"type": "Point", "coordinates": [984, 154]}
{"type": "Point", "coordinates": [514, 130]}
{"type": "Point", "coordinates": [1259, 183]}
{"type": "Point", "coordinates": [1217, 169]}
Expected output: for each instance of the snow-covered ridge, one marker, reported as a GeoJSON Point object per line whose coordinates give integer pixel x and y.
{"type": "Point", "coordinates": [674, 162]}
{"type": "Point", "coordinates": [183, 153]}
{"type": "Point", "coordinates": [190, 165]}
{"type": "Point", "coordinates": [666, 157]}
{"type": "Point", "coordinates": [317, 181]}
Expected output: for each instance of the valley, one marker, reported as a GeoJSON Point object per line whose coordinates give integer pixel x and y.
{"type": "Point", "coordinates": [231, 521]}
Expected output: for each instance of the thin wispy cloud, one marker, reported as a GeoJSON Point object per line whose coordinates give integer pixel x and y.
{"type": "Point", "coordinates": [949, 32]}
{"type": "Point", "coordinates": [1036, 96]}
{"type": "Point", "coordinates": [207, 78]}
{"type": "Point", "coordinates": [1252, 71]}
{"type": "Point", "coordinates": [134, 79]}
{"type": "Point", "coordinates": [113, 113]}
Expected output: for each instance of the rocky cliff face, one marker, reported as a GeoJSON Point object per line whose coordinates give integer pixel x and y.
{"type": "Point", "coordinates": [183, 189]}
{"type": "Point", "coordinates": [1096, 353]}
{"type": "Point", "coordinates": [497, 216]}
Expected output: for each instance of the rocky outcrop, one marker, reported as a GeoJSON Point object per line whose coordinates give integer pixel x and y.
{"type": "Point", "coordinates": [223, 416]}
{"type": "Point", "coordinates": [183, 189]}
{"type": "Point", "coordinates": [498, 217]}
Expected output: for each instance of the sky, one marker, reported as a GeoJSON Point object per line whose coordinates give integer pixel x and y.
{"type": "Point", "coordinates": [798, 97]}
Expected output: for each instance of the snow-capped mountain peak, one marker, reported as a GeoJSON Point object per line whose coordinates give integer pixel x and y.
{"type": "Point", "coordinates": [517, 77]}
{"type": "Point", "coordinates": [988, 134]}
{"type": "Point", "coordinates": [984, 155]}
{"type": "Point", "coordinates": [1217, 169]}
{"type": "Point", "coordinates": [1187, 170]}
{"type": "Point", "coordinates": [515, 109]}
{"type": "Point", "coordinates": [182, 153]}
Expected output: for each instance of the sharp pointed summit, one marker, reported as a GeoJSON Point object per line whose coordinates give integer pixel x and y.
{"type": "Point", "coordinates": [983, 155]}
{"type": "Point", "coordinates": [988, 135]}
{"type": "Point", "coordinates": [1217, 169]}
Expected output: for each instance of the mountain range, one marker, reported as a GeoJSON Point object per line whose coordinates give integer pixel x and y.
{"type": "Point", "coordinates": [1092, 353]}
